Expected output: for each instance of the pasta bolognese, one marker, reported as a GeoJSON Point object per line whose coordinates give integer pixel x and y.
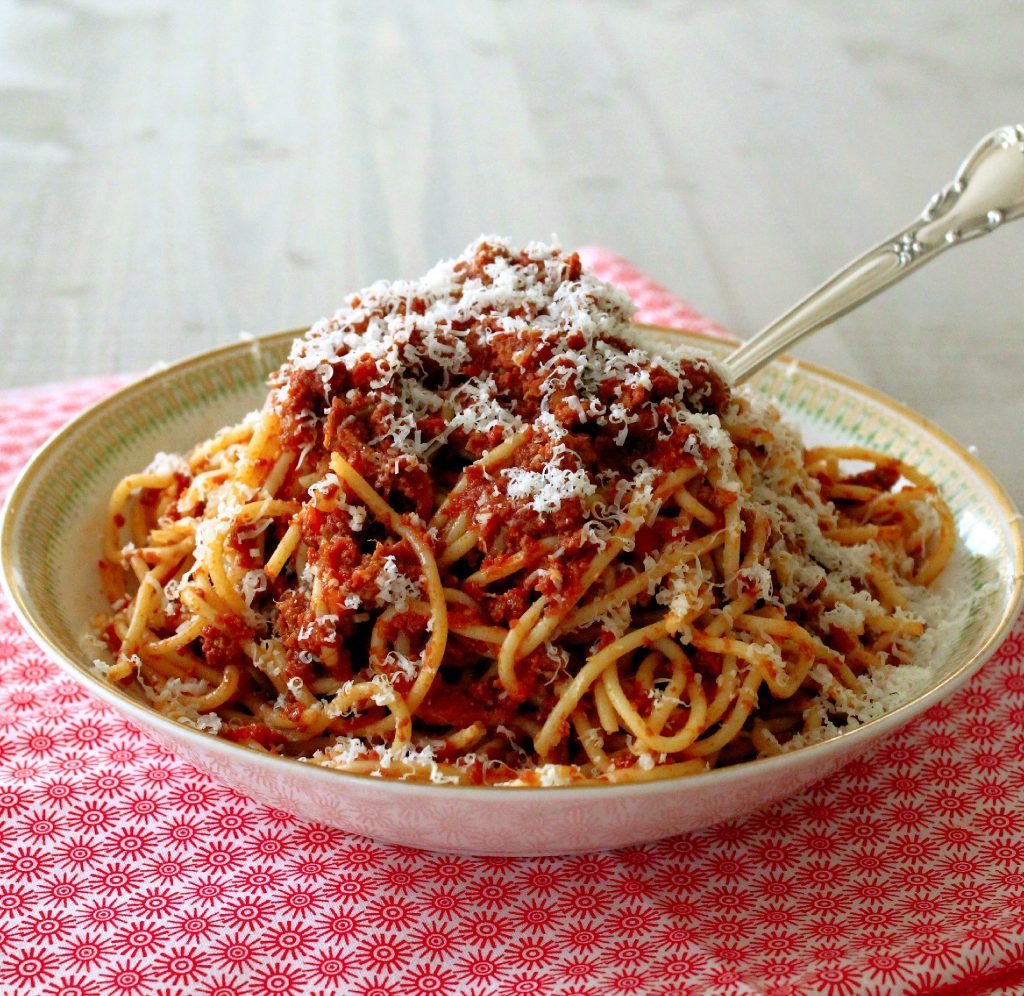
{"type": "Point", "coordinates": [481, 533]}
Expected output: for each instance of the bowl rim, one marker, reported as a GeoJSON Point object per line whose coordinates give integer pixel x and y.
{"type": "Point", "coordinates": [864, 734]}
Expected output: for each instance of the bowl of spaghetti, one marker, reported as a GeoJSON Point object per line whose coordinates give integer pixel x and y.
{"type": "Point", "coordinates": [477, 564]}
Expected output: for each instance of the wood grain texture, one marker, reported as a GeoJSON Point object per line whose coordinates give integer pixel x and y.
{"type": "Point", "coordinates": [174, 172]}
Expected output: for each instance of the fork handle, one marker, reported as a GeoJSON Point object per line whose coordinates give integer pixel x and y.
{"type": "Point", "coordinates": [988, 191]}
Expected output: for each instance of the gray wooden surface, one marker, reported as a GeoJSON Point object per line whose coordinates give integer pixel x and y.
{"type": "Point", "coordinates": [173, 172]}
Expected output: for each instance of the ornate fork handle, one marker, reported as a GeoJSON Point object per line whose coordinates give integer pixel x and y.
{"type": "Point", "coordinates": [988, 191]}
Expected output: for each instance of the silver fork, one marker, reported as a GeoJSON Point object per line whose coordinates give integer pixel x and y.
{"type": "Point", "coordinates": [988, 192]}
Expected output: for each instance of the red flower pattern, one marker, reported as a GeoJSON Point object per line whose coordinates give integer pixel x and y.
{"type": "Point", "coordinates": [125, 872]}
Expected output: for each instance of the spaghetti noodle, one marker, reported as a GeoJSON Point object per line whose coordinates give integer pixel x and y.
{"type": "Point", "coordinates": [478, 533]}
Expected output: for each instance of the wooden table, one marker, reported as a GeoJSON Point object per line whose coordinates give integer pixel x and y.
{"type": "Point", "coordinates": [175, 172]}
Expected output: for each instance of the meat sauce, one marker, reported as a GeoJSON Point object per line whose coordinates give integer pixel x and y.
{"type": "Point", "coordinates": [352, 408]}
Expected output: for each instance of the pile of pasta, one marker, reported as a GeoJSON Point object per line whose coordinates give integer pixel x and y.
{"type": "Point", "coordinates": [486, 531]}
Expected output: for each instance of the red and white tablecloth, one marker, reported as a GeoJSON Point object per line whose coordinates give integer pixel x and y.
{"type": "Point", "coordinates": [125, 872]}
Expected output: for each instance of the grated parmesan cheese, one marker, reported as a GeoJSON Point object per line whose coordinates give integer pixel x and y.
{"type": "Point", "coordinates": [548, 488]}
{"type": "Point", "coordinates": [394, 588]}
{"type": "Point", "coordinates": [253, 583]}
{"type": "Point", "coordinates": [175, 699]}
